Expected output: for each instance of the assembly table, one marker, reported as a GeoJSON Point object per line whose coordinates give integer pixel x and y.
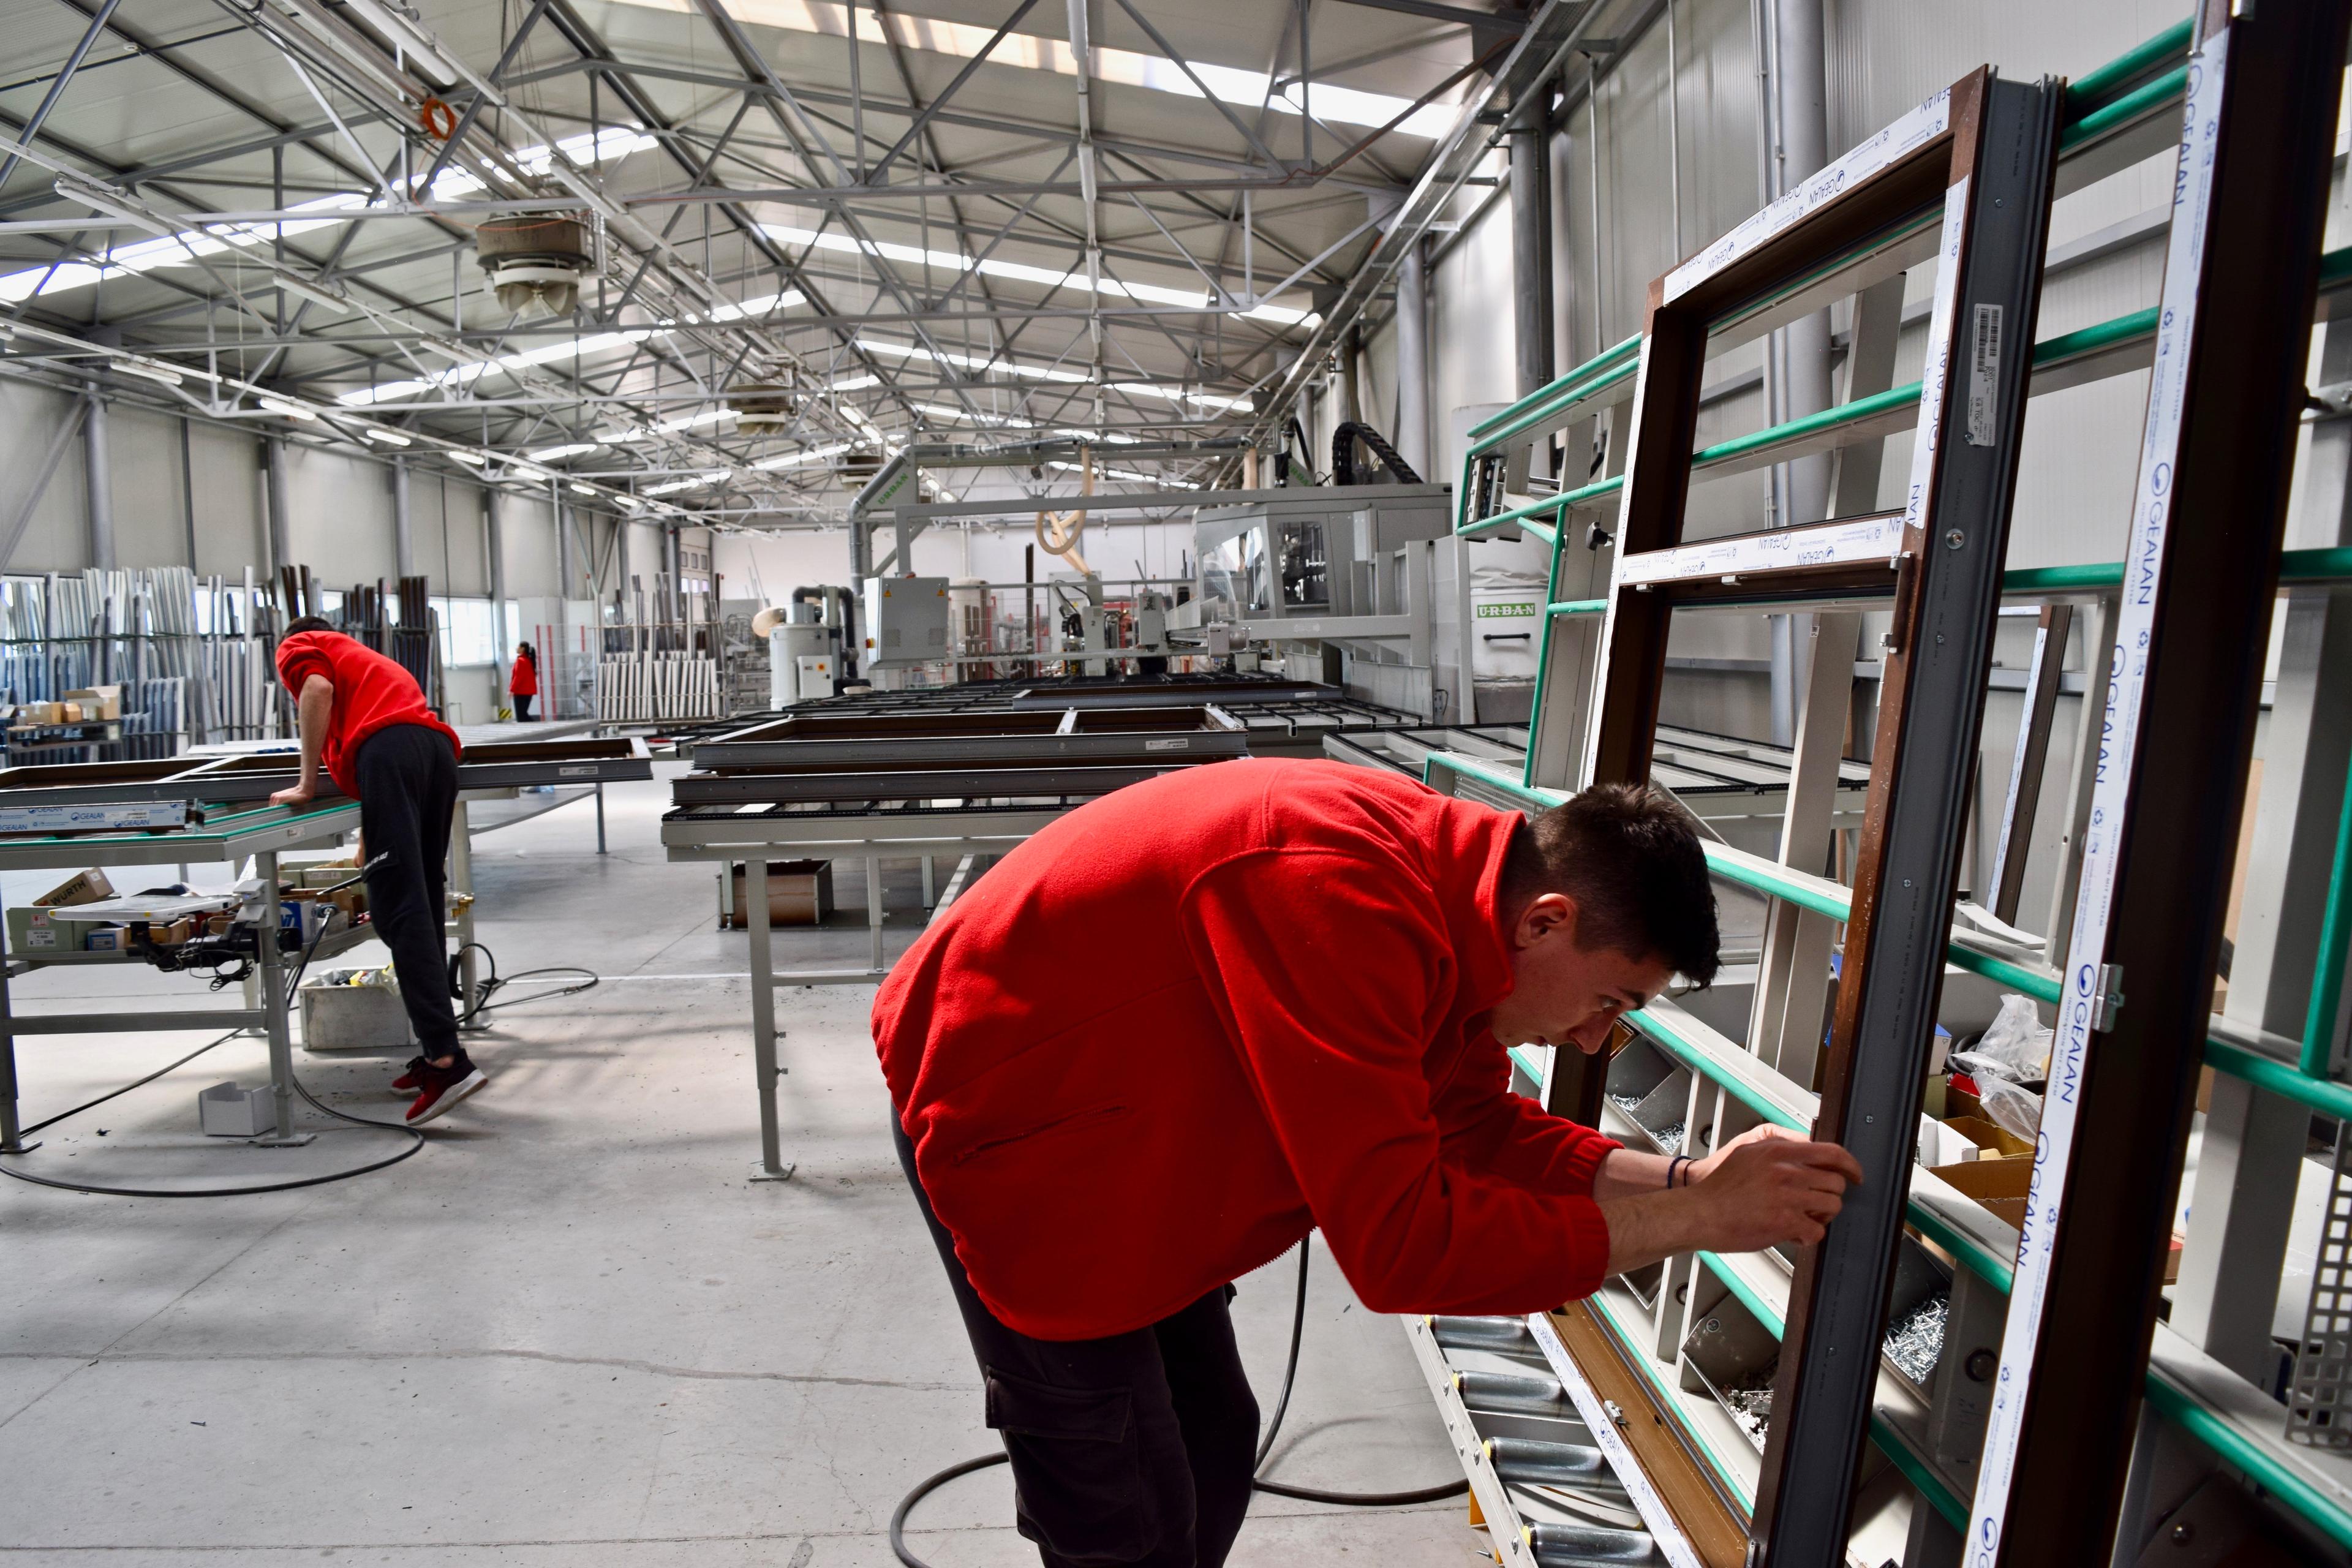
{"type": "Point", "coordinates": [262, 833]}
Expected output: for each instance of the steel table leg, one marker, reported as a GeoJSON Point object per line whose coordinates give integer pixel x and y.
{"type": "Point", "coordinates": [930, 885]}
{"type": "Point", "coordinates": [600, 816]}
{"type": "Point", "coordinates": [874, 912]}
{"type": "Point", "coordinates": [461, 879]}
{"type": "Point", "coordinates": [773, 1167]}
{"type": "Point", "coordinates": [11, 1139]}
{"type": "Point", "coordinates": [271, 969]}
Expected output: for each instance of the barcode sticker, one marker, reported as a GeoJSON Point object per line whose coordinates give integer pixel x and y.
{"type": "Point", "coordinates": [1984, 374]}
{"type": "Point", "coordinates": [1171, 743]}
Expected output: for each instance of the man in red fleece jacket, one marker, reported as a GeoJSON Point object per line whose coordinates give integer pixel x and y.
{"type": "Point", "coordinates": [1165, 1037]}
{"type": "Point", "coordinates": [362, 718]}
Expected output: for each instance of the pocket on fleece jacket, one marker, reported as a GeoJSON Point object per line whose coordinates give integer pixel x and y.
{"type": "Point", "coordinates": [1074, 1121]}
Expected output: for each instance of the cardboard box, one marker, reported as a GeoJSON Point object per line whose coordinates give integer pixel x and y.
{"type": "Point", "coordinates": [104, 938]}
{"type": "Point", "coordinates": [1993, 1141]}
{"type": "Point", "coordinates": [98, 702]}
{"type": "Point", "coordinates": [83, 887]}
{"type": "Point", "coordinates": [1999, 1185]}
{"type": "Point", "coordinates": [30, 930]}
{"type": "Point", "coordinates": [171, 934]}
{"type": "Point", "coordinates": [800, 893]}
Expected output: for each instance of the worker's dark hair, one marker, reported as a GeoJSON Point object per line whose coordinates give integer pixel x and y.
{"type": "Point", "coordinates": [1630, 857]}
{"type": "Point", "coordinates": [526, 651]}
{"type": "Point", "coordinates": [301, 624]}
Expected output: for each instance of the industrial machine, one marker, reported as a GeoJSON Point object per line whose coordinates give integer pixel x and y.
{"type": "Point", "coordinates": [1365, 586]}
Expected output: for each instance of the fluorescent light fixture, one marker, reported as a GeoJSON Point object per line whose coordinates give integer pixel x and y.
{"type": "Point", "coordinates": [576, 488]}
{"type": "Point", "coordinates": [471, 459]}
{"type": "Point", "coordinates": [710, 478]}
{"type": "Point", "coordinates": [798, 459]}
{"type": "Point", "coordinates": [762, 306]}
{"type": "Point", "coordinates": [112, 202]}
{"type": "Point", "coordinates": [183, 247]}
{"type": "Point", "coordinates": [1245, 89]}
{"type": "Point", "coordinates": [147, 370]}
{"type": "Point", "coordinates": [1050, 276]}
{"type": "Point", "coordinates": [384, 437]}
{"type": "Point", "coordinates": [475, 369]}
{"type": "Point", "coordinates": [947, 411]}
{"type": "Point", "coordinates": [1135, 474]}
{"type": "Point", "coordinates": [278, 405]}
{"type": "Point", "coordinates": [318, 291]}
{"type": "Point", "coordinates": [550, 454]}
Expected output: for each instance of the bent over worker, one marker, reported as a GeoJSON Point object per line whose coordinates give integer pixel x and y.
{"type": "Point", "coordinates": [1162, 1039]}
{"type": "Point", "coordinates": [364, 718]}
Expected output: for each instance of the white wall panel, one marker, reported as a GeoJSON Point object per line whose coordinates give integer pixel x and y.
{"type": "Point", "coordinates": [57, 536]}
{"type": "Point", "coordinates": [339, 521]}
{"type": "Point", "coordinates": [231, 531]}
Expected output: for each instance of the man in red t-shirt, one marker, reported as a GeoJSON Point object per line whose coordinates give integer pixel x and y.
{"type": "Point", "coordinates": [1181, 1026]}
{"type": "Point", "coordinates": [364, 718]}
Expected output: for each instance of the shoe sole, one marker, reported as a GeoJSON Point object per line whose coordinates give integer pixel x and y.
{"type": "Point", "coordinates": [456, 1092]}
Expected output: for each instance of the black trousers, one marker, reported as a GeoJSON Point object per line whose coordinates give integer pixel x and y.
{"type": "Point", "coordinates": [407, 777]}
{"type": "Point", "coordinates": [1132, 1449]}
{"type": "Point", "coordinates": [522, 706]}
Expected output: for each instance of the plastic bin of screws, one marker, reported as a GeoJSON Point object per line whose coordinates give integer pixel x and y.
{"type": "Point", "coordinates": [1916, 1340]}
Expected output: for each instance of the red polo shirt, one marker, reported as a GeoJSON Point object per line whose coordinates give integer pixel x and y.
{"type": "Point", "coordinates": [372, 694]}
{"type": "Point", "coordinates": [1164, 1037]}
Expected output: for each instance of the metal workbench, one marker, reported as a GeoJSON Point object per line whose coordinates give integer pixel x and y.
{"type": "Point", "coordinates": [263, 834]}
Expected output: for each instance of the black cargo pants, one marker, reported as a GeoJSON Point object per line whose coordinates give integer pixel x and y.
{"type": "Point", "coordinates": [1137, 1449]}
{"type": "Point", "coordinates": [407, 777]}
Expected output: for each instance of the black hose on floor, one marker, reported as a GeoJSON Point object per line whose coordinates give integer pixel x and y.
{"type": "Point", "coordinates": [930, 1484]}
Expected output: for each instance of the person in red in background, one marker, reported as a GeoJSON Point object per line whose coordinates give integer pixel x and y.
{"type": "Point", "coordinates": [1168, 1036]}
{"type": "Point", "coordinates": [523, 683]}
{"type": "Point", "coordinates": [364, 719]}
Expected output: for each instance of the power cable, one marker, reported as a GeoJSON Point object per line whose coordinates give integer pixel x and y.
{"type": "Point", "coordinates": [930, 1484]}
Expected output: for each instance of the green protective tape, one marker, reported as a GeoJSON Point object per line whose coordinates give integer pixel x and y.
{"type": "Point", "coordinates": [1630, 1349]}
{"type": "Point", "coordinates": [2016, 976]}
{"type": "Point", "coordinates": [2285, 1079]}
{"type": "Point", "coordinates": [1763, 1311]}
{"type": "Point", "coordinates": [2316, 565]}
{"type": "Point", "coordinates": [2183, 1408]}
{"type": "Point", "coordinates": [2328, 989]}
{"type": "Point", "coordinates": [1516, 517]}
{"type": "Point", "coordinates": [2095, 88]}
{"type": "Point", "coordinates": [1607, 359]}
{"type": "Point", "coordinates": [1578, 608]}
{"type": "Point", "coordinates": [1918, 1472]}
{"type": "Point", "coordinates": [1777, 881]}
{"type": "Point", "coordinates": [2146, 98]}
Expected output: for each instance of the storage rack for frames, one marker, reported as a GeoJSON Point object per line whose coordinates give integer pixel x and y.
{"type": "Point", "coordinates": [2008, 1424]}
{"type": "Point", "coordinates": [661, 658]}
{"type": "Point", "coordinates": [191, 653]}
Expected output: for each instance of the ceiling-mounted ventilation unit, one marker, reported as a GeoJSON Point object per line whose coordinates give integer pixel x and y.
{"type": "Point", "coordinates": [534, 260]}
{"type": "Point", "coordinates": [767, 402]}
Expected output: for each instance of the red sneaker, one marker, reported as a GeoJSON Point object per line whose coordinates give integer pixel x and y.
{"type": "Point", "coordinates": [409, 1079]}
{"type": "Point", "coordinates": [443, 1087]}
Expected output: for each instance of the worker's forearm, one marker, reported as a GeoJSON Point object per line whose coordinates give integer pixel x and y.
{"type": "Point", "coordinates": [311, 714]}
{"type": "Point", "coordinates": [1645, 1227]}
{"type": "Point", "coordinates": [1623, 1172]}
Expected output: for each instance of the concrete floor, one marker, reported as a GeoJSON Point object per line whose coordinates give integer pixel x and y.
{"type": "Point", "coordinates": [569, 1331]}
